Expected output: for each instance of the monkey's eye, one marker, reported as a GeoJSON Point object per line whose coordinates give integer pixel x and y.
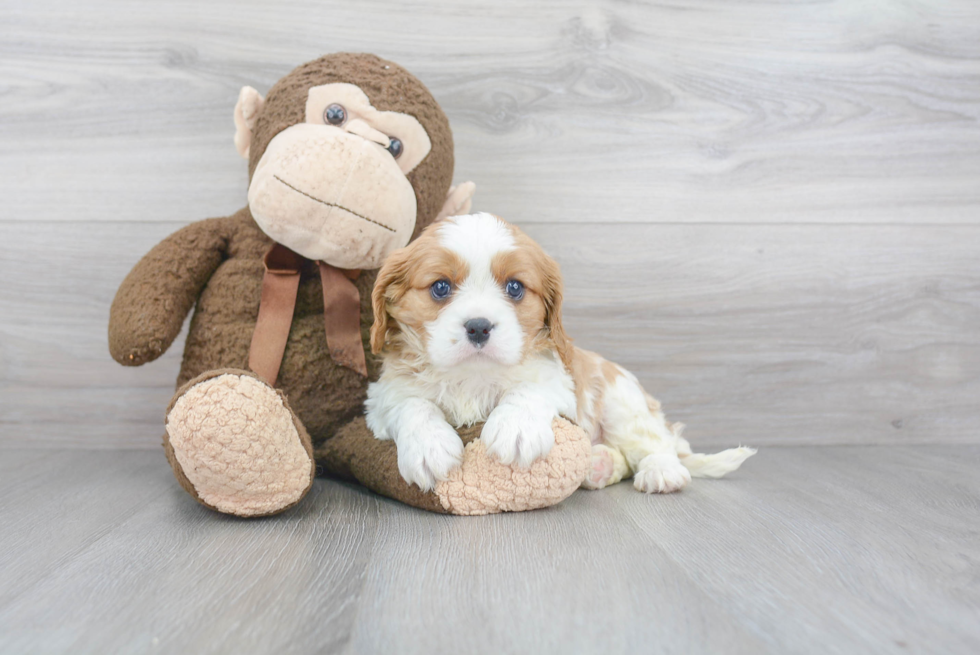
{"type": "Point", "coordinates": [335, 114]}
{"type": "Point", "coordinates": [440, 289]}
{"type": "Point", "coordinates": [395, 146]}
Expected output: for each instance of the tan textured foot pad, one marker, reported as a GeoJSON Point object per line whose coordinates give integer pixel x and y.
{"type": "Point", "coordinates": [482, 485]}
{"type": "Point", "coordinates": [239, 446]}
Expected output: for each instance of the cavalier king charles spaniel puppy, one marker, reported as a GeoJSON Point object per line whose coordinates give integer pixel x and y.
{"type": "Point", "coordinates": [468, 317]}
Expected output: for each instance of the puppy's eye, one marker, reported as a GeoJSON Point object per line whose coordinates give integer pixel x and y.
{"type": "Point", "coordinates": [515, 289]}
{"type": "Point", "coordinates": [440, 289]}
{"type": "Point", "coordinates": [335, 115]}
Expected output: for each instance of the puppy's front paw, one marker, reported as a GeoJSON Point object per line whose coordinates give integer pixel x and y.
{"type": "Point", "coordinates": [428, 454]}
{"type": "Point", "coordinates": [514, 434]}
{"type": "Point", "coordinates": [660, 474]}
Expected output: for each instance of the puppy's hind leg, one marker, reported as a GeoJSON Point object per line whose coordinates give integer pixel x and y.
{"type": "Point", "coordinates": [633, 424]}
{"type": "Point", "coordinates": [608, 467]}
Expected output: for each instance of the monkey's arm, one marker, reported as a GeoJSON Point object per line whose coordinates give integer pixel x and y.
{"type": "Point", "coordinates": [152, 302]}
{"type": "Point", "coordinates": [459, 200]}
{"type": "Point", "coordinates": [481, 485]}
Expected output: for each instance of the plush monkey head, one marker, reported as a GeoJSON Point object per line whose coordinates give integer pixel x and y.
{"type": "Point", "coordinates": [349, 157]}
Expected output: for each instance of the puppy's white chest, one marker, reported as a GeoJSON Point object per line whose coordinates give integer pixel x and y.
{"type": "Point", "coordinates": [469, 401]}
{"type": "Point", "coordinates": [470, 398]}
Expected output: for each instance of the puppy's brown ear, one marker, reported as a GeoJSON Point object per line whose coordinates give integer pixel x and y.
{"type": "Point", "coordinates": [392, 273]}
{"type": "Point", "coordinates": [552, 288]}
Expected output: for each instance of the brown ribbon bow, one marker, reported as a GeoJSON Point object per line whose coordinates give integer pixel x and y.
{"type": "Point", "coordinates": [341, 313]}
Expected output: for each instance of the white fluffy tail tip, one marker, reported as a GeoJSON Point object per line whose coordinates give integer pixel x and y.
{"type": "Point", "coordinates": [718, 464]}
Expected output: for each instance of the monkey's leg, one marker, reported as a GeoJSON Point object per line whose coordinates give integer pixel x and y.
{"type": "Point", "coordinates": [482, 485]}
{"type": "Point", "coordinates": [236, 446]}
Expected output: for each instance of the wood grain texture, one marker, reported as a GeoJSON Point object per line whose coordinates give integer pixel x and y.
{"type": "Point", "coordinates": [805, 550]}
{"type": "Point", "coordinates": [754, 334]}
{"type": "Point", "coordinates": [786, 334]}
{"type": "Point", "coordinates": [704, 111]}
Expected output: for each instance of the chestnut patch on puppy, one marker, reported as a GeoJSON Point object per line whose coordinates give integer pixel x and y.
{"type": "Point", "coordinates": [540, 309]}
{"type": "Point", "coordinates": [523, 266]}
{"type": "Point", "coordinates": [402, 289]}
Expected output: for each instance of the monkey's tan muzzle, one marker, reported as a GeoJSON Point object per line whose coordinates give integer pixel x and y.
{"type": "Point", "coordinates": [333, 195]}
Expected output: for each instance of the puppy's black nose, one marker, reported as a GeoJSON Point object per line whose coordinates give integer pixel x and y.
{"type": "Point", "coordinates": [478, 330]}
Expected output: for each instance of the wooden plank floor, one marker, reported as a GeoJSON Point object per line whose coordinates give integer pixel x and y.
{"type": "Point", "coordinates": [806, 549]}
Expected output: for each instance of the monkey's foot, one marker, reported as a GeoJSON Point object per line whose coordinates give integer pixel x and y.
{"type": "Point", "coordinates": [236, 446]}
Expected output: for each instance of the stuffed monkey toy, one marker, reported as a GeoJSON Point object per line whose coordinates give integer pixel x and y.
{"type": "Point", "coordinates": [349, 158]}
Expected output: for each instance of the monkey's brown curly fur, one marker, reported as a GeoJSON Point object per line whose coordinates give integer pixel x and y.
{"type": "Point", "coordinates": [217, 263]}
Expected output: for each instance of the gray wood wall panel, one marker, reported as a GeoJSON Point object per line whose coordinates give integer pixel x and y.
{"type": "Point", "coordinates": [844, 111]}
{"type": "Point", "coordinates": [769, 211]}
{"type": "Point", "coordinates": [761, 334]}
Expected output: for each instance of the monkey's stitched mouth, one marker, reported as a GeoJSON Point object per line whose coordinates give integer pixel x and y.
{"type": "Point", "coordinates": [332, 204]}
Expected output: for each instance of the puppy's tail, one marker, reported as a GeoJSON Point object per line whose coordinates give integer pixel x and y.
{"type": "Point", "coordinates": [716, 465]}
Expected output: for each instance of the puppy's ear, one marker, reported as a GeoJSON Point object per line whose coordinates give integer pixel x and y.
{"type": "Point", "coordinates": [552, 289]}
{"type": "Point", "coordinates": [391, 273]}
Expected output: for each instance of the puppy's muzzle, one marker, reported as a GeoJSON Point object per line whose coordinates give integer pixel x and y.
{"type": "Point", "coordinates": [478, 331]}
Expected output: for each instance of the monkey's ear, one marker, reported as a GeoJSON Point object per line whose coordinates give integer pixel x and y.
{"type": "Point", "coordinates": [459, 200]}
{"type": "Point", "coordinates": [246, 113]}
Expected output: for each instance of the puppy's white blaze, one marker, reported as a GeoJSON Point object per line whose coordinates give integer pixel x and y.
{"type": "Point", "coordinates": [476, 238]}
